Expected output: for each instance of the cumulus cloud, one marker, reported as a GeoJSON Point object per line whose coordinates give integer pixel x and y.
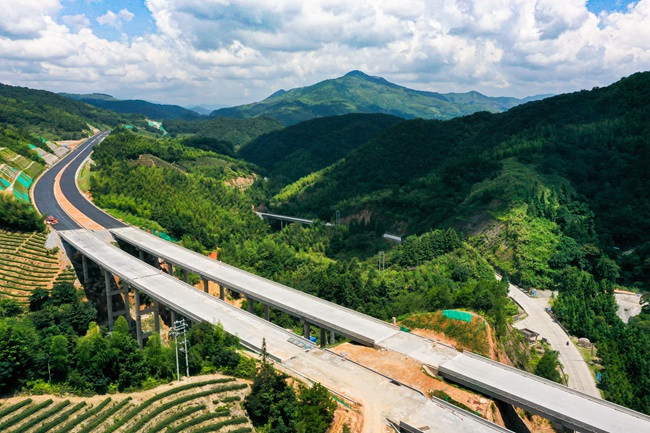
{"type": "Point", "coordinates": [235, 51]}
{"type": "Point", "coordinates": [76, 22]}
{"type": "Point", "coordinates": [25, 19]}
{"type": "Point", "coordinates": [113, 19]}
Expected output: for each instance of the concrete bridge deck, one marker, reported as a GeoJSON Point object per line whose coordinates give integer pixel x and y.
{"type": "Point", "coordinates": [380, 396]}
{"type": "Point", "coordinates": [185, 299]}
{"type": "Point", "coordinates": [344, 321]}
{"type": "Point", "coordinates": [563, 405]}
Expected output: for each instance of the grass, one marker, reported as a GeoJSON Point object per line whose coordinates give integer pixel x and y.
{"type": "Point", "coordinates": [84, 177]}
{"type": "Point", "coordinates": [472, 336]}
{"type": "Point", "coordinates": [589, 358]}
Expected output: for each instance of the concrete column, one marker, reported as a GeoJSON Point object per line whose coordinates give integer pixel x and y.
{"type": "Point", "coordinates": [251, 304]}
{"type": "Point", "coordinates": [185, 276]}
{"type": "Point", "coordinates": [141, 254]}
{"type": "Point", "coordinates": [306, 329]}
{"type": "Point", "coordinates": [170, 269]}
{"type": "Point", "coordinates": [332, 337]}
{"type": "Point", "coordinates": [206, 287]}
{"type": "Point", "coordinates": [156, 316]}
{"type": "Point", "coordinates": [267, 312]}
{"type": "Point", "coordinates": [222, 292]}
{"type": "Point", "coordinates": [323, 337]}
{"type": "Point", "coordinates": [174, 317]}
{"type": "Point", "coordinates": [138, 318]}
{"type": "Point", "coordinates": [84, 265]}
{"type": "Point", "coordinates": [109, 298]}
{"type": "Point", "coordinates": [127, 301]}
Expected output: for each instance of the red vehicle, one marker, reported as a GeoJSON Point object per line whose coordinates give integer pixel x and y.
{"type": "Point", "coordinates": [51, 220]}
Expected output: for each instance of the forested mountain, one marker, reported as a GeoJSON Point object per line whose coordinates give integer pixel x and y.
{"type": "Point", "coordinates": [136, 106]}
{"type": "Point", "coordinates": [554, 193]}
{"type": "Point", "coordinates": [51, 115]}
{"type": "Point", "coordinates": [235, 132]}
{"type": "Point", "coordinates": [425, 173]}
{"type": "Point", "coordinates": [309, 146]}
{"type": "Point", "coordinates": [357, 92]}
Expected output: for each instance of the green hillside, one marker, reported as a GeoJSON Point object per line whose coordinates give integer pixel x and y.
{"type": "Point", "coordinates": [310, 146]}
{"type": "Point", "coordinates": [50, 115]}
{"type": "Point", "coordinates": [144, 108]}
{"type": "Point", "coordinates": [427, 173]}
{"type": "Point", "coordinates": [357, 92]}
{"type": "Point", "coordinates": [554, 193]}
{"type": "Point", "coordinates": [233, 133]}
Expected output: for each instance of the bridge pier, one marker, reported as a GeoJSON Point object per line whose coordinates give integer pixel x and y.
{"type": "Point", "coordinates": [141, 254]}
{"type": "Point", "coordinates": [267, 312]}
{"type": "Point", "coordinates": [185, 276]}
{"type": "Point", "coordinates": [222, 292]}
{"type": "Point", "coordinates": [109, 298]}
{"type": "Point", "coordinates": [170, 268]}
{"type": "Point", "coordinates": [206, 287]}
{"type": "Point", "coordinates": [306, 329]}
{"type": "Point", "coordinates": [84, 266]}
{"type": "Point", "coordinates": [332, 337]}
{"type": "Point", "coordinates": [323, 337]}
{"type": "Point", "coordinates": [138, 317]}
{"type": "Point", "coordinates": [251, 304]}
{"type": "Point", "coordinates": [156, 316]}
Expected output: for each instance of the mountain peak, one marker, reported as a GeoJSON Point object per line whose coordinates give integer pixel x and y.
{"type": "Point", "coordinates": [357, 73]}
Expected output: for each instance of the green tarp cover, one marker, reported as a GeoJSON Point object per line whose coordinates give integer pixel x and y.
{"type": "Point", "coordinates": [458, 315]}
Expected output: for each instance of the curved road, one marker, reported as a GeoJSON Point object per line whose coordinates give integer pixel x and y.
{"type": "Point", "coordinates": [44, 196]}
{"type": "Point", "coordinates": [538, 320]}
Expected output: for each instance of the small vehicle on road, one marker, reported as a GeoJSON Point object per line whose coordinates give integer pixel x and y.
{"type": "Point", "coordinates": [51, 220]}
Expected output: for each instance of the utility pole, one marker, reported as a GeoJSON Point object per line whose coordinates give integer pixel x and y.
{"type": "Point", "coordinates": [178, 372]}
{"type": "Point", "coordinates": [181, 326]}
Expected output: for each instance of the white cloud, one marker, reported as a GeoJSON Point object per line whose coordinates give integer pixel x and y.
{"type": "Point", "coordinates": [24, 19]}
{"type": "Point", "coordinates": [234, 51]}
{"type": "Point", "coordinates": [115, 19]}
{"type": "Point", "coordinates": [76, 22]}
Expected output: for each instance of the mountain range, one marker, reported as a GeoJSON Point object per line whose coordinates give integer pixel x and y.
{"type": "Point", "coordinates": [357, 92]}
{"type": "Point", "coordinates": [135, 106]}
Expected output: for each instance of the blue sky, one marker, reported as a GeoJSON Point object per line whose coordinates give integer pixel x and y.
{"type": "Point", "coordinates": [230, 52]}
{"type": "Point", "coordinates": [137, 22]}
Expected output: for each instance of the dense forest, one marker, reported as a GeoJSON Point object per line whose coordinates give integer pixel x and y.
{"type": "Point", "coordinates": [553, 193]}
{"type": "Point", "coordinates": [53, 116]}
{"type": "Point", "coordinates": [301, 149]}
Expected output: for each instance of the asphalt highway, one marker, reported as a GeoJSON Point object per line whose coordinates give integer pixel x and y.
{"type": "Point", "coordinates": [46, 202]}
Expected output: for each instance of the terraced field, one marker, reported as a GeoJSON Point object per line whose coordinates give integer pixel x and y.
{"type": "Point", "coordinates": [26, 264]}
{"type": "Point", "coordinates": [206, 405]}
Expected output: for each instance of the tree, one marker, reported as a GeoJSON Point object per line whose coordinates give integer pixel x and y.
{"type": "Point", "coordinates": [129, 362]}
{"type": "Point", "coordinates": [10, 308]}
{"type": "Point", "coordinates": [19, 345]}
{"type": "Point", "coordinates": [156, 358]}
{"type": "Point", "coordinates": [95, 360]}
{"type": "Point", "coordinates": [315, 409]}
{"type": "Point", "coordinates": [64, 293]}
{"type": "Point", "coordinates": [548, 366]}
{"type": "Point", "coordinates": [59, 358]}
{"type": "Point", "coordinates": [272, 402]}
{"type": "Point", "coordinates": [38, 299]}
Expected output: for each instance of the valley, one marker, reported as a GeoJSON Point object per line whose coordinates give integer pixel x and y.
{"type": "Point", "coordinates": [466, 196]}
